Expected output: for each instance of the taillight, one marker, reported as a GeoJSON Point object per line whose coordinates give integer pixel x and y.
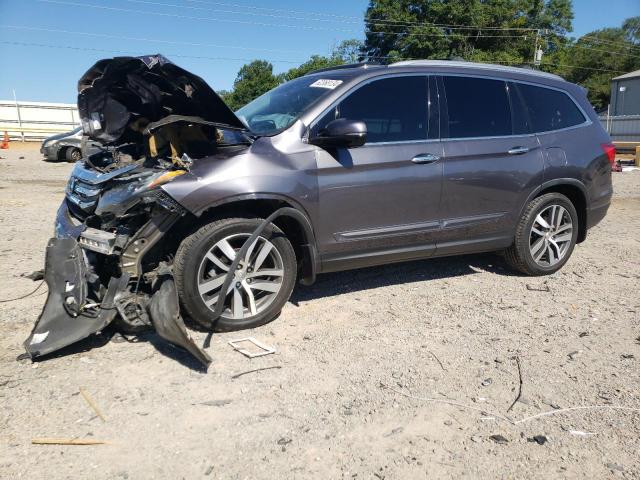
{"type": "Point", "coordinates": [610, 150]}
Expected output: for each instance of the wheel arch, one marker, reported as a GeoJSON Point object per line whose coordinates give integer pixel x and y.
{"type": "Point", "coordinates": [575, 191]}
{"type": "Point", "coordinates": [296, 226]}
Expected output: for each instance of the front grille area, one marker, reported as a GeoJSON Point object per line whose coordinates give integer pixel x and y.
{"type": "Point", "coordinates": [82, 195]}
{"type": "Point", "coordinates": [76, 211]}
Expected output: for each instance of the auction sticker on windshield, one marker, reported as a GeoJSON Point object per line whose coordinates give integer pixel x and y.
{"type": "Point", "coordinates": [326, 83]}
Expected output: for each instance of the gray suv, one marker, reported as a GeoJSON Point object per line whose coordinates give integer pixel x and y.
{"type": "Point", "coordinates": [343, 168]}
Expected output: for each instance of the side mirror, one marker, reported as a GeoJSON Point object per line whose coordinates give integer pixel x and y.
{"type": "Point", "coordinates": [341, 133]}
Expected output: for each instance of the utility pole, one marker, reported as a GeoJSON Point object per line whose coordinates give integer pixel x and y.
{"type": "Point", "coordinates": [537, 51]}
{"type": "Point", "coordinates": [15, 99]}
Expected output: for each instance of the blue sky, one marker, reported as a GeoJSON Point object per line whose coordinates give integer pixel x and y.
{"type": "Point", "coordinates": [285, 32]}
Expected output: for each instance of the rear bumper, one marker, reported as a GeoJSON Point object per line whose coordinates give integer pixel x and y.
{"type": "Point", "coordinates": [596, 214]}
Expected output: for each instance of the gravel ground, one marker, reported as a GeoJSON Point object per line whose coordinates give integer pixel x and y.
{"type": "Point", "coordinates": [365, 363]}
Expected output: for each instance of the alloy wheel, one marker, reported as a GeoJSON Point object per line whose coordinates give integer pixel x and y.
{"type": "Point", "coordinates": [551, 235]}
{"type": "Point", "coordinates": [258, 278]}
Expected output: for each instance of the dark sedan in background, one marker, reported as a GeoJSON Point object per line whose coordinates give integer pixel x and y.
{"type": "Point", "coordinates": [66, 146]}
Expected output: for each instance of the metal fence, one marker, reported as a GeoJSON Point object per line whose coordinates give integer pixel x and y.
{"type": "Point", "coordinates": [624, 128]}
{"type": "Point", "coordinates": [33, 121]}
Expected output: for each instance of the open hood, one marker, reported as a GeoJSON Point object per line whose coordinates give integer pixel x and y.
{"type": "Point", "coordinates": [118, 97]}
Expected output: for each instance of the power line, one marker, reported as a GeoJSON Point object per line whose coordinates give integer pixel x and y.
{"type": "Point", "coordinates": [586, 47]}
{"type": "Point", "coordinates": [104, 7]}
{"type": "Point", "coordinates": [90, 49]}
{"type": "Point", "coordinates": [254, 7]}
{"type": "Point", "coordinates": [354, 20]}
{"type": "Point", "coordinates": [247, 22]}
{"type": "Point", "coordinates": [615, 45]}
{"type": "Point", "coordinates": [128, 53]}
{"type": "Point", "coordinates": [402, 24]}
{"type": "Point", "coordinates": [593, 39]}
{"type": "Point", "coordinates": [611, 42]}
{"type": "Point", "coordinates": [582, 68]}
{"type": "Point", "coordinates": [376, 21]}
{"type": "Point", "coordinates": [151, 40]}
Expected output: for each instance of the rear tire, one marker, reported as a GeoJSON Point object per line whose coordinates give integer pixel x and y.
{"type": "Point", "coordinates": [264, 284]}
{"type": "Point", "coordinates": [545, 236]}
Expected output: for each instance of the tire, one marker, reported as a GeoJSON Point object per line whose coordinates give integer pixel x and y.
{"type": "Point", "coordinates": [552, 246]}
{"type": "Point", "coordinates": [194, 270]}
{"type": "Point", "coordinates": [72, 154]}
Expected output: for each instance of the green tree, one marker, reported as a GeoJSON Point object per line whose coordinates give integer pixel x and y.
{"type": "Point", "coordinates": [631, 26]}
{"type": "Point", "coordinates": [409, 29]}
{"type": "Point", "coordinates": [346, 51]}
{"type": "Point", "coordinates": [600, 55]}
{"type": "Point", "coordinates": [350, 51]}
{"type": "Point", "coordinates": [253, 80]}
{"type": "Point", "coordinates": [316, 62]}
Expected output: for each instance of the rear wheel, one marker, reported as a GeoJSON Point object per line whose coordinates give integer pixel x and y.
{"type": "Point", "coordinates": [545, 236]}
{"type": "Point", "coordinates": [72, 154]}
{"type": "Point", "coordinates": [263, 281]}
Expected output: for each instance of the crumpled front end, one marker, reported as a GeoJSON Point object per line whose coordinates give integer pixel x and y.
{"type": "Point", "coordinates": [96, 277]}
{"type": "Point", "coordinates": [115, 232]}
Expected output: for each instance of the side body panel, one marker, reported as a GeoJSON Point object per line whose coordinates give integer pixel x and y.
{"type": "Point", "coordinates": [381, 202]}
{"type": "Point", "coordinates": [370, 205]}
{"type": "Point", "coordinates": [486, 179]}
{"type": "Point", "coordinates": [484, 188]}
{"type": "Point", "coordinates": [374, 200]}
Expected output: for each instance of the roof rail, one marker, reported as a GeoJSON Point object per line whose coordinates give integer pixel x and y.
{"type": "Point", "coordinates": [344, 67]}
{"type": "Point", "coordinates": [485, 66]}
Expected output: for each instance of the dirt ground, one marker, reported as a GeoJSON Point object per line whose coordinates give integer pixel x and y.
{"type": "Point", "coordinates": [366, 361]}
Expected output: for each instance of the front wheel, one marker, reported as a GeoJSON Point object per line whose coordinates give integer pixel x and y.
{"type": "Point", "coordinates": [73, 154]}
{"type": "Point", "coordinates": [263, 281]}
{"type": "Point", "coordinates": [545, 236]}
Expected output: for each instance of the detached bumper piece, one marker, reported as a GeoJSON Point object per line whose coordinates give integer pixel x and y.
{"type": "Point", "coordinates": [70, 316]}
{"type": "Point", "coordinates": [165, 316]}
{"type": "Point", "coordinates": [65, 318]}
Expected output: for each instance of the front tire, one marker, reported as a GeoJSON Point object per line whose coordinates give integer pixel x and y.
{"type": "Point", "coordinates": [264, 280]}
{"type": "Point", "coordinates": [72, 154]}
{"type": "Point", "coordinates": [545, 236]}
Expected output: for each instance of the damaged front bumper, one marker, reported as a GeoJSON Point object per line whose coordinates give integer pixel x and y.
{"type": "Point", "coordinates": [82, 302]}
{"type": "Point", "coordinates": [70, 315]}
{"type": "Point", "coordinates": [67, 316]}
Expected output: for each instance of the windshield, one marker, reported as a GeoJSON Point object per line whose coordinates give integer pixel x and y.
{"type": "Point", "coordinates": [279, 108]}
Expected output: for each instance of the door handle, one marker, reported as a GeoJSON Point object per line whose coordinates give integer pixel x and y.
{"type": "Point", "coordinates": [425, 158]}
{"type": "Point", "coordinates": [518, 150]}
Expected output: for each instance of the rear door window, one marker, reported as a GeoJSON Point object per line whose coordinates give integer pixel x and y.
{"type": "Point", "coordinates": [477, 107]}
{"type": "Point", "coordinates": [394, 109]}
{"type": "Point", "coordinates": [550, 109]}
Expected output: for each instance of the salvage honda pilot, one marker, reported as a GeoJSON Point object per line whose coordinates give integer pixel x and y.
{"type": "Point", "coordinates": [191, 208]}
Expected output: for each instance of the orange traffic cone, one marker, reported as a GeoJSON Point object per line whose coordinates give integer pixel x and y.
{"type": "Point", "coordinates": [5, 142]}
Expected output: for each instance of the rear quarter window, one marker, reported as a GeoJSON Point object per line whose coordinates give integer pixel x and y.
{"type": "Point", "coordinates": [550, 109]}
